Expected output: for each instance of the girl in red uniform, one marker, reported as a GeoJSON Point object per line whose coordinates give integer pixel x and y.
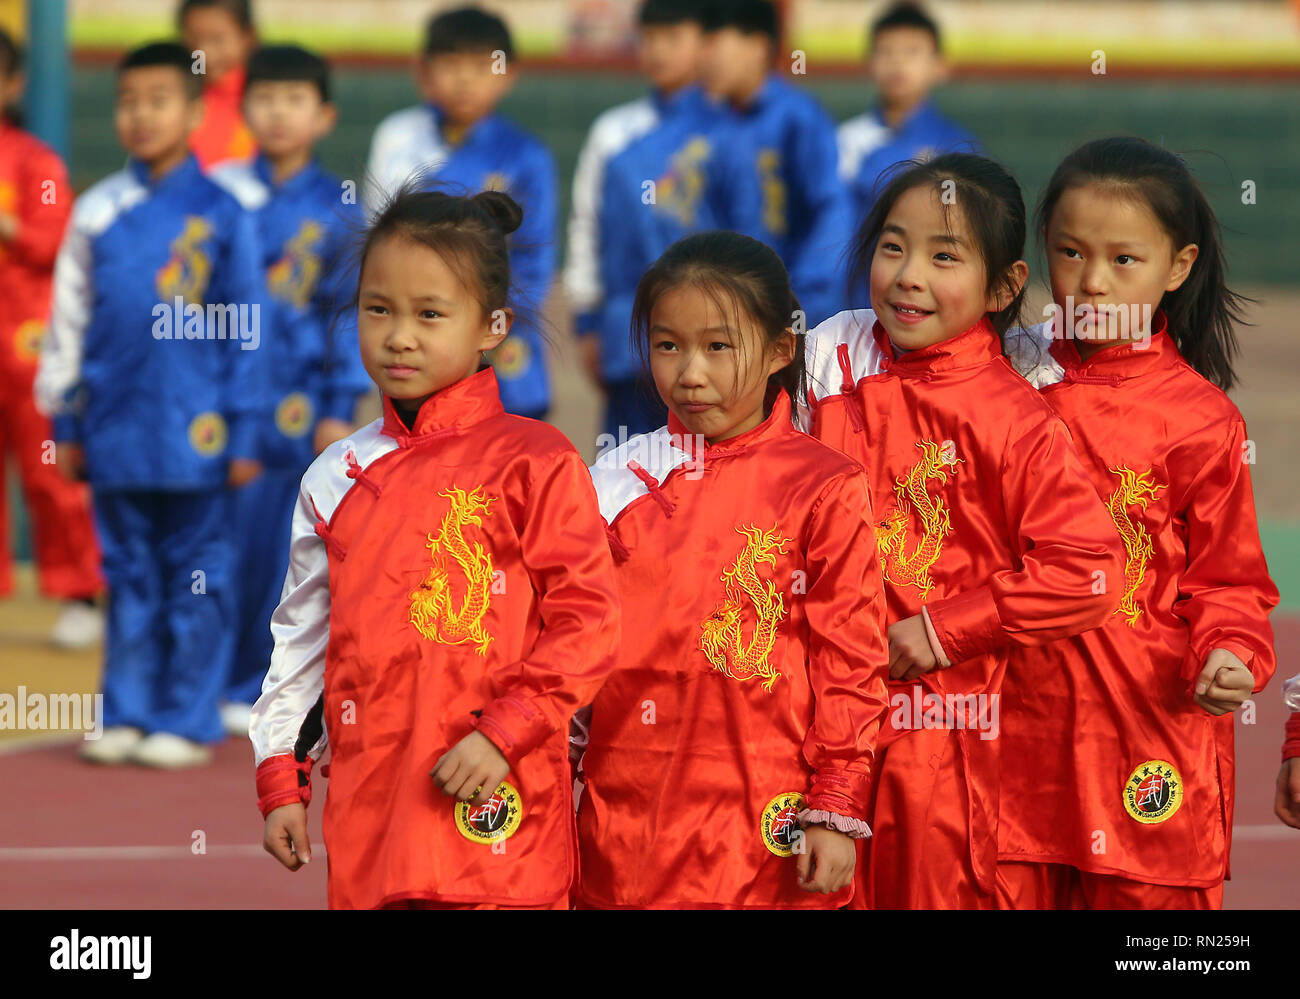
{"type": "Point", "coordinates": [223, 31]}
{"type": "Point", "coordinates": [35, 198]}
{"type": "Point", "coordinates": [730, 751]}
{"type": "Point", "coordinates": [1118, 743]}
{"type": "Point", "coordinates": [989, 533]}
{"type": "Point", "coordinates": [449, 603]}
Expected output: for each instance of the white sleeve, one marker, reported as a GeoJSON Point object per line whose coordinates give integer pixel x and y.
{"type": "Point", "coordinates": [821, 358]}
{"type": "Point", "coordinates": [380, 181]}
{"type": "Point", "coordinates": [301, 628]}
{"type": "Point", "coordinates": [59, 368]}
{"type": "Point", "coordinates": [1291, 693]}
{"type": "Point", "coordinates": [582, 283]}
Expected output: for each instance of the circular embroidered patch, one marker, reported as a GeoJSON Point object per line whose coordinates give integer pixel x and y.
{"type": "Point", "coordinates": [511, 358]}
{"type": "Point", "coordinates": [208, 434]}
{"type": "Point", "coordinates": [27, 340]}
{"type": "Point", "coordinates": [779, 825]}
{"type": "Point", "coordinates": [293, 416]}
{"type": "Point", "coordinates": [1153, 791]}
{"type": "Point", "coordinates": [495, 819]}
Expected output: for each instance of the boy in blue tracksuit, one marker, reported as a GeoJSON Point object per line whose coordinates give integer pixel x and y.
{"type": "Point", "coordinates": [788, 143]}
{"type": "Point", "coordinates": [906, 63]}
{"type": "Point", "coordinates": [457, 140]}
{"type": "Point", "coordinates": [307, 221]}
{"type": "Point", "coordinates": [673, 137]}
{"type": "Point", "coordinates": [153, 371]}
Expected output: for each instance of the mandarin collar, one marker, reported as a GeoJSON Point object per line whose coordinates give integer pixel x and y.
{"type": "Point", "coordinates": [776, 425]}
{"type": "Point", "coordinates": [977, 346]}
{"type": "Point", "coordinates": [469, 135]}
{"type": "Point", "coordinates": [1120, 360]}
{"type": "Point", "coordinates": [265, 173]}
{"type": "Point", "coordinates": [183, 173]}
{"type": "Point", "coordinates": [230, 88]}
{"type": "Point", "coordinates": [463, 404]}
{"type": "Point", "coordinates": [762, 96]}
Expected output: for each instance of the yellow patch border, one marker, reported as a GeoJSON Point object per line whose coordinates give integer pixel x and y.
{"type": "Point", "coordinates": [515, 815]}
{"type": "Point", "coordinates": [786, 799]}
{"type": "Point", "coordinates": [1175, 794]}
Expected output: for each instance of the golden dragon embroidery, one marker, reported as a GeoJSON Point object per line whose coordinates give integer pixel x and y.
{"type": "Point", "coordinates": [431, 603]}
{"type": "Point", "coordinates": [1135, 489]}
{"type": "Point", "coordinates": [187, 270]}
{"type": "Point", "coordinates": [900, 567]}
{"type": "Point", "coordinates": [720, 632]}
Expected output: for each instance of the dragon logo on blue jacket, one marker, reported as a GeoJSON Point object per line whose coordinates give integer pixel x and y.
{"type": "Point", "coordinates": [293, 277]}
{"type": "Point", "coordinates": [188, 268]}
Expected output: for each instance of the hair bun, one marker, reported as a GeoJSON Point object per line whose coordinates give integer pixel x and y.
{"type": "Point", "coordinates": [505, 211]}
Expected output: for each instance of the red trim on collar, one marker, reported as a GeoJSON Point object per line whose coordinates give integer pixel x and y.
{"type": "Point", "coordinates": [1120, 360]}
{"type": "Point", "coordinates": [776, 424]}
{"type": "Point", "coordinates": [461, 404]}
{"type": "Point", "coordinates": [976, 346]}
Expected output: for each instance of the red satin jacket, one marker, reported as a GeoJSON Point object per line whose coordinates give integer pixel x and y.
{"type": "Point", "coordinates": [34, 187]}
{"type": "Point", "coordinates": [984, 516]}
{"type": "Point", "coordinates": [750, 677]}
{"type": "Point", "coordinates": [1110, 765]}
{"type": "Point", "coordinates": [469, 586]}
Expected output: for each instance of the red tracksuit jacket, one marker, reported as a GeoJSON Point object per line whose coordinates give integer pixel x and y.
{"type": "Point", "coordinates": [34, 187]}
{"type": "Point", "coordinates": [984, 516]}
{"type": "Point", "coordinates": [750, 676]}
{"type": "Point", "coordinates": [445, 578]}
{"type": "Point", "coordinates": [1110, 765]}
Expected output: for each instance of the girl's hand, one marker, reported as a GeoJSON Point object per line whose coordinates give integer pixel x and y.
{"type": "Point", "coordinates": [827, 862]}
{"type": "Point", "coordinates": [327, 432]}
{"type": "Point", "coordinates": [472, 765]}
{"type": "Point", "coordinates": [242, 471]}
{"type": "Point", "coordinates": [285, 837]}
{"type": "Point", "coordinates": [1287, 805]}
{"type": "Point", "coordinates": [910, 654]}
{"type": "Point", "coordinates": [1224, 684]}
{"type": "Point", "coordinates": [71, 461]}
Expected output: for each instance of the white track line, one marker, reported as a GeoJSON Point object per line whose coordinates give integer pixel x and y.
{"type": "Point", "coordinates": [22, 743]}
{"type": "Point", "coordinates": [24, 854]}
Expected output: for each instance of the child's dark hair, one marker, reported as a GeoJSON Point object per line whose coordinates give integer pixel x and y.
{"type": "Point", "coordinates": [744, 277]}
{"type": "Point", "coordinates": [11, 64]}
{"type": "Point", "coordinates": [467, 29]}
{"type": "Point", "coordinates": [164, 54]}
{"type": "Point", "coordinates": [753, 17]}
{"type": "Point", "coordinates": [654, 12]}
{"type": "Point", "coordinates": [905, 15]}
{"type": "Point", "coordinates": [240, 10]}
{"type": "Point", "coordinates": [288, 64]}
{"type": "Point", "coordinates": [991, 204]}
{"type": "Point", "coordinates": [469, 233]}
{"type": "Point", "coordinates": [1202, 311]}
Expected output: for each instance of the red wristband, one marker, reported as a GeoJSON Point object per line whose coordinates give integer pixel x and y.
{"type": "Point", "coordinates": [282, 780]}
{"type": "Point", "coordinates": [1291, 747]}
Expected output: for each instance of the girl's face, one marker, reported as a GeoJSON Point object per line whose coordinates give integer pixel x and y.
{"type": "Point", "coordinates": [927, 283]}
{"type": "Point", "coordinates": [1110, 263]}
{"type": "Point", "coordinates": [224, 42]}
{"type": "Point", "coordinates": [421, 329]}
{"type": "Point", "coordinates": [711, 374]}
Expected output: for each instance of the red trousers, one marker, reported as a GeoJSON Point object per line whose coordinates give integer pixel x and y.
{"type": "Point", "coordinates": [919, 853]}
{"type": "Point", "coordinates": [1059, 886]}
{"type": "Point", "coordinates": [63, 538]}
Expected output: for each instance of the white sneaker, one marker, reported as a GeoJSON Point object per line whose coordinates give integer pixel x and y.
{"type": "Point", "coordinates": [235, 718]}
{"type": "Point", "coordinates": [170, 752]}
{"type": "Point", "coordinates": [114, 745]}
{"type": "Point", "coordinates": [79, 626]}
